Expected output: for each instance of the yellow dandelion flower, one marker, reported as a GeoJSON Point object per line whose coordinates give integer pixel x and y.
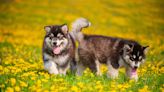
{"type": "Point", "coordinates": [122, 89]}
{"type": "Point", "coordinates": [39, 89]}
{"type": "Point", "coordinates": [104, 68]}
{"type": "Point", "coordinates": [13, 81]}
{"type": "Point", "coordinates": [113, 91]}
{"type": "Point", "coordinates": [23, 84]}
{"type": "Point", "coordinates": [144, 89]}
{"type": "Point", "coordinates": [2, 86]}
{"type": "Point", "coordinates": [149, 65]}
{"type": "Point", "coordinates": [1, 67]}
{"type": "Point", "coordinates": [52, 87]}
{"type": "Point", "coordinates": [119, 86]}
{"type": "Point", "coordinates": [17, 89]}
{"type": "Point", "coordinates": [92, 75]}
{"type": "Point", "coordinates": [98, 82]}
{"type": "Point", "coordinates": [74, 88]}
{"type": "Point", "coordinates": [47, 76]}
{"type": "Point", "coordinates": [45, 91]}
{"type": "Point", "coordinates": [9, 89]}
{"type": "Point", "coordinates": [153, 67]}
{"type": "Point", "coordinates": [32, 88]}
{"type": "Point", "coordinates": [100, 87]}
{"type": "Point", "coordinates": [44, 80]}
{"type": "Point", "coordinates": [80, 84]}
{"type": "Point", "coordinates": [61, 80]}
{"type": "Point", "coordinates": [131, 81]}
{"type": "Point", "coordinates": [39, 82]}
{"type": "Point", "coordinates": [162, 70]}
{"type": "Point", "coordinates": [33, 78]}
{"type": "Point", "coordinates": [127, 85]}
{"type": "Point", "coordinates": [162, 89]}
{"type": "Point", "coordinates": [6, 70]}
{"type": "Point", "coordinates": [62, 88]}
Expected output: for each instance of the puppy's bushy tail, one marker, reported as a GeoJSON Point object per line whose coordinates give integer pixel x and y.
{"type": "Point", "coordinates": [77, 26]}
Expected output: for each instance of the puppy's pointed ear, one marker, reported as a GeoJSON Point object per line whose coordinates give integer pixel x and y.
{"type": "Point", "coordinates": [145, 49]}
{"type": "Point", "coordinates": [64, 28]}
{"type": "Point", "coordinates": [47, 29]}
{"type": "Point", "coordinates": [128, 47]}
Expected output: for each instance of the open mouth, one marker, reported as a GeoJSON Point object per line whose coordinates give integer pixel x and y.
{"type": "Point", "coordinates": [134, 71]}
{"type": "Point", "coordinates": [56, 50]}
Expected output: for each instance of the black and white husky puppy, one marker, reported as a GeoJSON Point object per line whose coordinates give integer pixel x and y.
{"type": "Point", "coordinates": [58, 49]}
{"type": "Point", "coordinates": [115, 52]}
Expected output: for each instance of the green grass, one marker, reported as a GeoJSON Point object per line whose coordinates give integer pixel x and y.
{"type": "Point", "coordinates": [21, 37]}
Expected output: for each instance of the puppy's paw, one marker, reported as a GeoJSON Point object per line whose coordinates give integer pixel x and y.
{"type": "Point", "coordinates": [53, 72]}
{"type": "Point", "coordinates": [112, 75]}
{"type": "Point", "coordinates": [98, 73]}
{"type": "Point", "coordinates": [134, 77]}
{"type": "Point", "coordinates": [51, 67]}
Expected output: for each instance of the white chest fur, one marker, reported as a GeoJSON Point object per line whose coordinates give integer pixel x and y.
{"type": "Point", "coordinates": [60, 60]}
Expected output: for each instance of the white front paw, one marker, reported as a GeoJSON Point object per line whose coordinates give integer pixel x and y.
{"type": "Point", "coordinates": [135, 77]}
{"type": "Point", "coordinates": [51, 67]}
{"type": "Point", "coordinates": [51, 71]}
{"type": "Point", "coordinates": [112, 75]}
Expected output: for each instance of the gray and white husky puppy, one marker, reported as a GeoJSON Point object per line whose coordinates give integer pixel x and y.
{"type": "Point", "coordinates": [58, 49]}
{"type": "Point", "coordinates": [94, 50]}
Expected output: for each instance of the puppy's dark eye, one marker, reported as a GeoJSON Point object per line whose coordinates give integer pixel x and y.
{"type": "Point", "coordinates": [131, 58]}
{"type": "Point", "coordinates": [50, 38]}
{"type": "Point", "coordinates": [140, 58]}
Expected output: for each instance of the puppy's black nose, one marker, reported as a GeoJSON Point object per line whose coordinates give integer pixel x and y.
{"type": "Point", "coordinates": [135, 67]}
{"type": "Point", "coordinates": [54, 43]}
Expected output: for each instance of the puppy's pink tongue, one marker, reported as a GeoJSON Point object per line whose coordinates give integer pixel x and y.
{"type": "Point", "coordinates": [56, 50]}
{"type": "Point", "coordinates": [134, 71]}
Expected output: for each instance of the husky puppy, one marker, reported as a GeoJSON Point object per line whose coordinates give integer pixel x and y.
{"type": "Point", "coordinates": [58, 49]}
{"type": "Point", "coordinates": [94, 50]}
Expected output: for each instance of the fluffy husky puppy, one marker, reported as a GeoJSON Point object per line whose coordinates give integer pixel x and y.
{"type": "Point", "coordinates": [58, 49]}
{"type": "Point", "coordinates": [114, 52]}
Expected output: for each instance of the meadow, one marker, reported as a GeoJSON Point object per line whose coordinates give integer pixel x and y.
{"type": "Point", "coordinates": [22, 31]}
